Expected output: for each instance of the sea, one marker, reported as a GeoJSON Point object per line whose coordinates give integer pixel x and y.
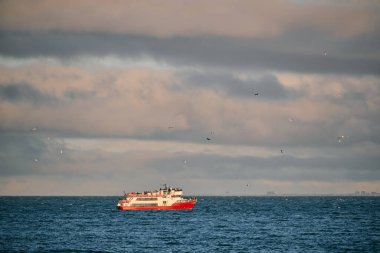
{"type": "Point", "coordinates": [216, 224]}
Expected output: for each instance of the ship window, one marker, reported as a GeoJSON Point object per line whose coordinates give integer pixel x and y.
{"type": "Point", "coordinates": [146, 199]}
{"type": "Point", "coordinates": [146, 204]}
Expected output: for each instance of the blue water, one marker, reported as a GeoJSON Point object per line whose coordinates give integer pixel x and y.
{"type": "Point", "coordinates": [216, 224]}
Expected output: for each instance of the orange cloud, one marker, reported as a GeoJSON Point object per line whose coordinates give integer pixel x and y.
{"type": "Point", "coordinates": [146, 101]}
{"type": "Point", "coordinates": [241, 18]}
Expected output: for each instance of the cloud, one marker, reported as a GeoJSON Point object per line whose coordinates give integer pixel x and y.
{"type": "Point", "coordinates": [128, 91]}
{"type": "Point", "coordinates": [211, 52]}
{"type": "Point", "coordinates": [241, 86]}
{"type": "Point", "coordinates": [182, 18]}
{"type": "Point", "coordinates": [21, 92]}
{"type": "Point", "coordinates": [18, 154]}
{"type": "Point", "coordinates": [274, 167]}
{"type": "Point", "coordinates": [94, 161]}
{"type": "Point", "coordinates": [291, 110]}
{"type": "Point", "coordinates": [231, 162]}
{"type": "Point", "coordinates": [79, 94]}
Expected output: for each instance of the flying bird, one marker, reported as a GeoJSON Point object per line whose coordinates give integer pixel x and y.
{"type": "Point", "coordinates": [208, 139]}
{"type": "Point", "coordinates": [256, 93]}
{"type": "Point", "coordinates": [282, 151]}
{"type": "Point", "coordinates": [342, 138]}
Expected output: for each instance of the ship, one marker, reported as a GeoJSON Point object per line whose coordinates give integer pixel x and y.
{"type": "Point", "coordinates": [167, 198]}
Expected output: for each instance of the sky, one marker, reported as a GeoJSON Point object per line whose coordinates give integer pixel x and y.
{"type": "Point", "coordinates": [217, 97]}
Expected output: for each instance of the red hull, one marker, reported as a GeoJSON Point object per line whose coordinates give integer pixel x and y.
{"type": "Point", "coordinates": [176, 206]}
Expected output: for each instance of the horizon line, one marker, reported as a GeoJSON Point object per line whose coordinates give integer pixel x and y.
{"type": "Point", "coordinates": [368, 194]}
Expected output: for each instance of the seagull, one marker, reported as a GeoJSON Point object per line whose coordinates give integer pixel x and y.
{"type": "Point", "coordinates": [325, 53]}
{"type": "Point", "coordinates": [282, 151]}
{"type": "Point", "coordinates": [35, 159]}
{"type": "Point", "coordinates": [256, 94]}
{"type": "Point", "coordinates": [34, 129]}
{"type": "Point", "coordinates": [170, 127]}
{"type": "Point", "coordinates": [208, 139]}
{"type": "Point", "coordinates": [342, 138]}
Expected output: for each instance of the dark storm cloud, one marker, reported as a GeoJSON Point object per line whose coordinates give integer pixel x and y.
{"type": "Point", "coordinates": [297, 51]}
{"type": "Point", "coordinates": [22, 92]}
{"type": "Point", "coordinates": [267, 86]}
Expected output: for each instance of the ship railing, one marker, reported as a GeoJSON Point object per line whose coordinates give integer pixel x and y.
{"type": "Point", "coordinates": [152, 194]}
{"type": "Point", "coordinates": [144, 195]}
